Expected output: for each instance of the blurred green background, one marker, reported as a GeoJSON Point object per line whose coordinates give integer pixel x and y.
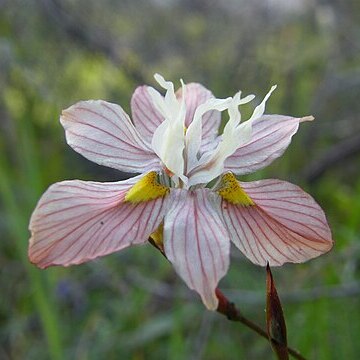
{"type": "Point", "coordinates": [131, 305]}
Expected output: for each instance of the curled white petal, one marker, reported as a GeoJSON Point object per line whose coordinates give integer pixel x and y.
{"type": "Point", "coordinates": [260, 109]}
{"type": "Point", "coordinates": [235, 135]}
{"type": "Point", "coordinates": [197, 94]}
{"type": "Point", "coordinates": [168, 140]}
{"type": "Point", "coordinates": [194, 132]}
{"type": "Point", "coordinates": [211, 165]}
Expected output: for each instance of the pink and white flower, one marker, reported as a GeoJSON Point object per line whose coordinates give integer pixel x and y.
{"type": "Point", "coordinates": [173, 143]}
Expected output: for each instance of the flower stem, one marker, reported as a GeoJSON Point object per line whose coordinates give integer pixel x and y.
{"type": "Point", "coordinates": [229, 309]}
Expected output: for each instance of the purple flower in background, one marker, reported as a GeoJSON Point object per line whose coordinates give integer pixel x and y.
{"type": "Point", "coordinates": [173, 143]}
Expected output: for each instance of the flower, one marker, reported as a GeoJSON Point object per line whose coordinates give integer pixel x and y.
{"type": "Point", "coordinates": [173, 143]}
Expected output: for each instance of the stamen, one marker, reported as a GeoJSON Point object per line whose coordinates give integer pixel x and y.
{"type": "Point", "coordinates": [232, 192]}
{"type": "Point", "coordinates": [146, 189]}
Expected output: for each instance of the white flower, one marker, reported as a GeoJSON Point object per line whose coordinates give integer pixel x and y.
{"type": "Point", "coordinates": [173, 143]}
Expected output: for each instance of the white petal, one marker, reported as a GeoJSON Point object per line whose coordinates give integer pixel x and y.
{"type": "Point", "coordinates": [76, 221]}
{"type": "Point", "coordinates": [284, 225]}
{"type": "Point", "coordinates": [234, 113]}
{"type": "Point", "coordinates": [158, 101]}
{"type": "Point", "coordinates": [168, 144]}
{"type": "Point", "coordinates": [211, 164]}
{"type": "Point", "coordinates": [194, 132]}
{"type": "Point", "coordinates": [102, 132]}
{"type": "Point", "coordinates": [168, 106]}
{"type": "Point", "coordinates": [196, 241]}
{"type": "Point", "coordinates": [168, 139]}
{"type": "Point", "coordinates": [259, 110]}
{"type": "Point", "coordinates": [196, 94]}
{"type": "Point", "coordinates": [233, 137]}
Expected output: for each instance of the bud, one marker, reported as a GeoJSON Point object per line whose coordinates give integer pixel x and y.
{"type": "Point", "coordinates": [275, 321]}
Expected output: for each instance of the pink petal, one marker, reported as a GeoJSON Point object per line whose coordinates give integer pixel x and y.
{"type": "Point", "coordinates": [195, 95]}
{"type": "Point", "coordinates": [144, 114]}
{"type": "Point", "coordinates": [284, 225]}
{"type": "Point", "coordinates": [196, 241]}
{"type": "Point", "coordinates": [102, 132]}
{"type": "Point", "coordinates": [271, 135]}
{"type": "Point", "coordinates": [76, 221]}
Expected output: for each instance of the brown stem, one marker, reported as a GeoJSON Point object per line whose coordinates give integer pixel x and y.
{"type": "Point", "coordinates": [229, 309]}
